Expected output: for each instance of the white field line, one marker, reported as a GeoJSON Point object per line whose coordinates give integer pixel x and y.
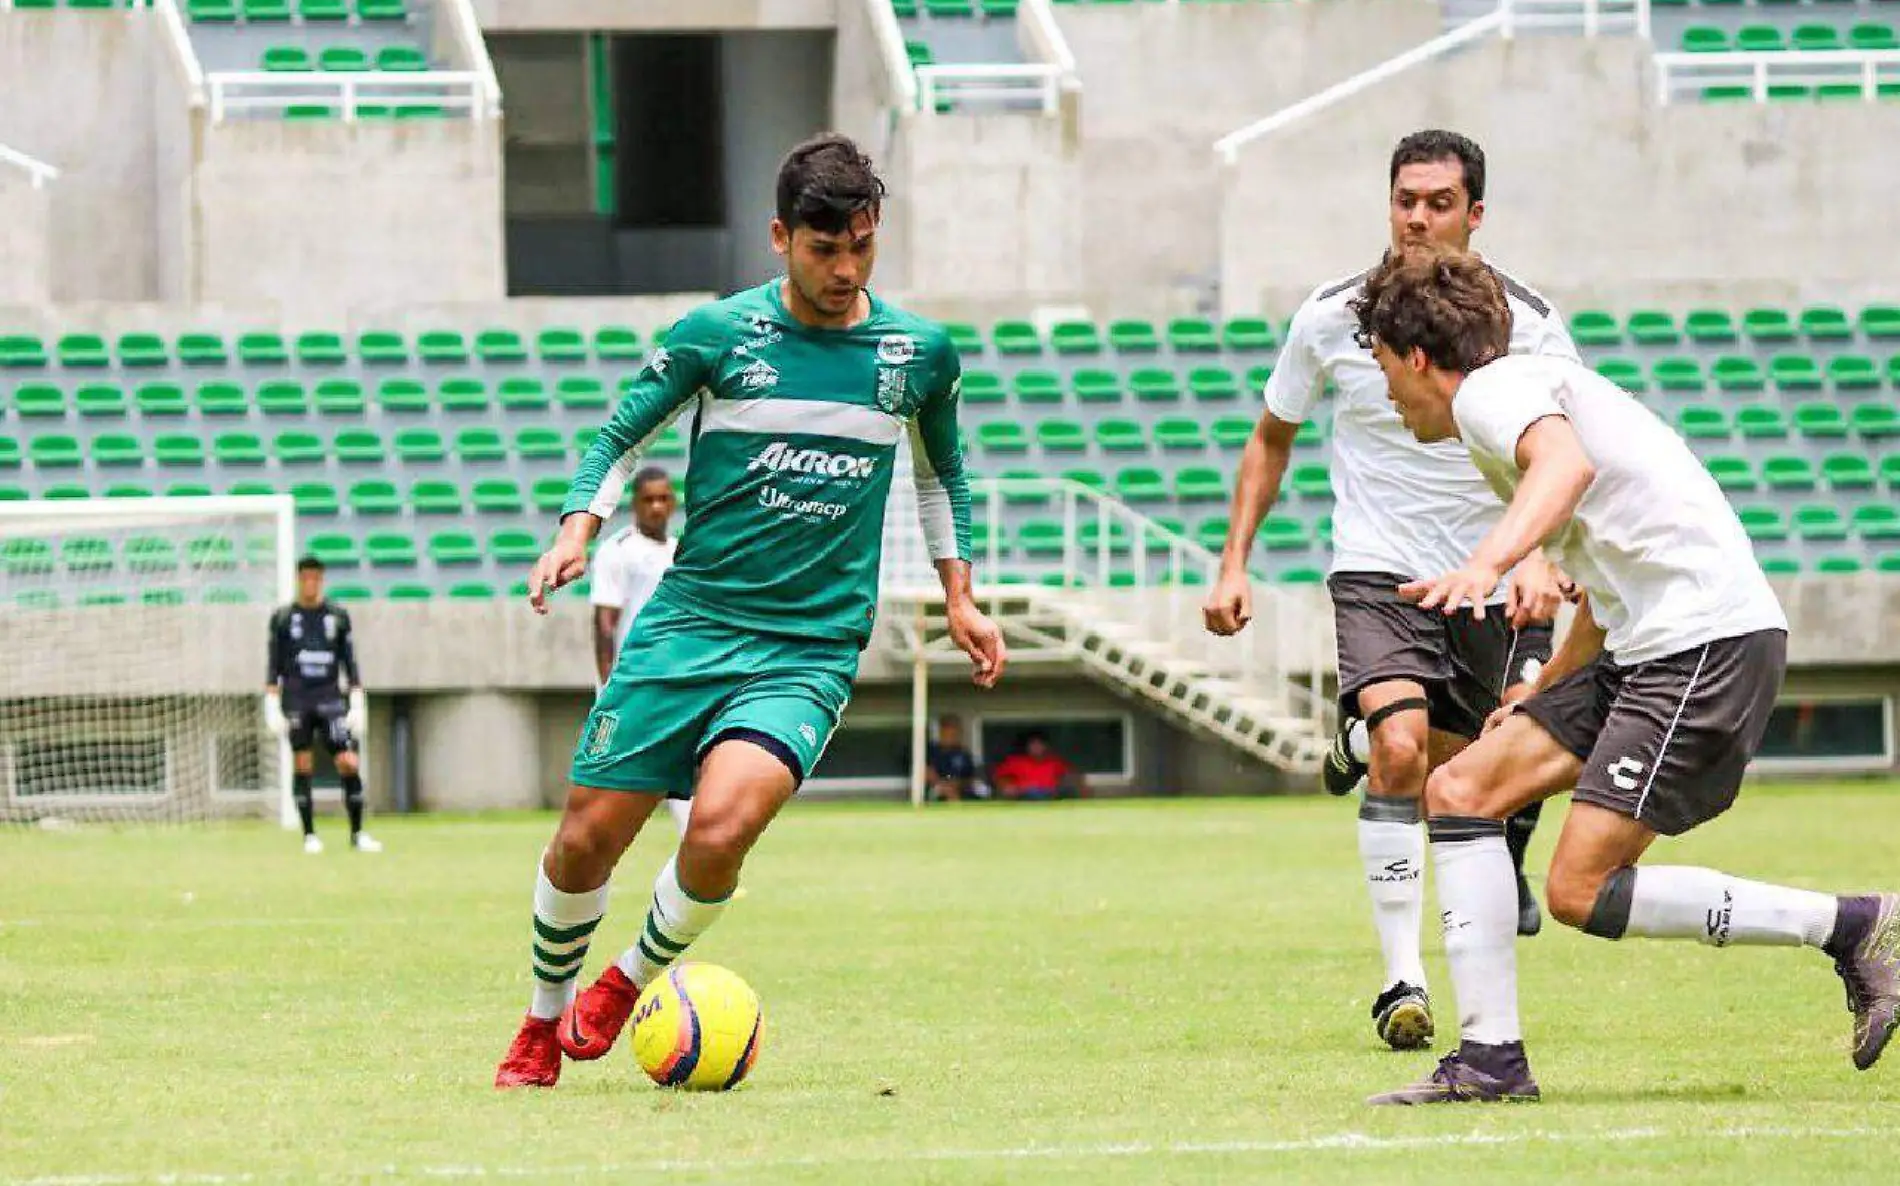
{"type": "Point", "coordinates": [1348, 1142]}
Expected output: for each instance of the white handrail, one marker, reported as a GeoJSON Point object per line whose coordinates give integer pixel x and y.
{"type": "Point", "coordinates": [1038, 19]}
{"type": "Point", "coordinates": [1759, 69]}
{"type": "Point", "coordinates": [178, 43]}
{"type": "Point", "coordinates": [890, 44]}
{"type": "Point", "coordinates": [273, 91]}
{"type": "Point", "coordinates": [999, 83]}
{"type": "Point", "coordinates": [38, 172]}
{"type": "Point", "coordinates": [468, 31]}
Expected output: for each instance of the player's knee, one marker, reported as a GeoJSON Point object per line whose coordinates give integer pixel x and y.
{"type": "Point", "coordinates": [582, 850]}
{"type": "Point", "coordinates": [1453, 790]}
{"type": "Point", "coordinates": [718, 835]}
{"type": "Point", "coordinates": [346, 763]}
{"type": "Point", "coordinates": [1572, 894]}
{"type": "Point", "coordinates": [305, 762]}
{"type": "Point", "coordinates": [1398, 758]}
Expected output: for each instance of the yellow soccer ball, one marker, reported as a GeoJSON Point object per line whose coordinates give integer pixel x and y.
{"type": "Point", "coordinates": [698, 1027]}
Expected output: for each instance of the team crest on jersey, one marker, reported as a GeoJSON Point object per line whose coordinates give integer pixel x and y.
{"type": "Point", "coordinates": [759, 376]}
{"type": "Point", "coordinates": [896, 349]}
{"type": "Point", "coordinates": [329, 627]}
{"type": "Point", "coordinates": [600, 733]}
{"type": "Point", "coordinates": [893, 391]}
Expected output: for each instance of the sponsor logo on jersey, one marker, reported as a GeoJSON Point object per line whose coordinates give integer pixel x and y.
{"type": "Point", "coordinates": [1623, 773]}
{"type": "Point", "coordinates": [896, 349]}
{"type": "Point", "coordinates": [760, 376]}
{"type": "Point", "coordinates": [782, 458]}
{"type": "Point", "coordinates": [764, 334]}
{"type": "Point", "coordinates": [893, 391]}
{"type": "Point", "coordinates": [774, 499]}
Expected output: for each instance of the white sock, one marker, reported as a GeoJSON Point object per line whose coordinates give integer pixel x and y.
{"type": "Point", "coordinates": [563, 926]}
{"type": "Point", "coordinates": [674, 920]}
{"type": "Point", "coordinates": [1359, 741]}
{"type": "Point", "coordinates": [681, 810]}
{"type": "Point", "coordinates": [1477, 891]}
{"type": "Point", "coordinates": [1677, 902]}
{"type": "Point", "coordinates": [1394, 856]}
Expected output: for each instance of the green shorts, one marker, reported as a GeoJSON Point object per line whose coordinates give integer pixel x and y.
{"type": "Point", "coordinates": [683, 683]}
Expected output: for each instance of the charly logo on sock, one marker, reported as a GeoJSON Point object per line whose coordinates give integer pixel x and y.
{"type": "Point", "coordinates": [1717, 922]}
{"type": "Point", "coordinates": [1396, 872]}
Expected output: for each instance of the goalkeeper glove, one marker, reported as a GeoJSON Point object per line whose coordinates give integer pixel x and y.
{"type": "Point", "coordinates": [274, 717]}
{"type": "Point", "coordinates": [358, 716]}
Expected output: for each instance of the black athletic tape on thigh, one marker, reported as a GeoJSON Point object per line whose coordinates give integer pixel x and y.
{"type": "Point", "coordinates": [1610, 913]}
{"type": "Point", "coordinates": [1388, 809]}
{"type": "Point", "coordinates": [1378, 715]}
{"type": "Point", "coordinates": [1450, 829]}
{"type": "Point", "coordinates": [764, 741]}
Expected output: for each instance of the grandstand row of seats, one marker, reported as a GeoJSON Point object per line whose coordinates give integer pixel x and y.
{"type": "Point", "coordinates": [434, 462]}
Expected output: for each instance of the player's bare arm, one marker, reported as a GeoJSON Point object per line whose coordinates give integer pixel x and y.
{"type": "Point", "coordinates": [565, 562]}
{"type": "Point", "coordinates": [970, 628]}
{"type": "Point", "coordinates": [606, 628]}
{"type": "Point", "coordinates": [1262, 467]}
{"type": "Point", "coordinates": [1557, 472]}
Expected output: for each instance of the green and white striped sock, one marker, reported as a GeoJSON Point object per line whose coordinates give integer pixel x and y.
{"type": "Point", "coordinates": [563, 925]}
{"type": "Point", "coordinates": [675, 919]}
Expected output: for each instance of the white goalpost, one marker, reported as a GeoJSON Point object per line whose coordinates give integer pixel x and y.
{"type": "Point", "coordinates": [132, 657]}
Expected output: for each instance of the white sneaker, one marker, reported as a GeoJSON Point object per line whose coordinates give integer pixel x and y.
{"type": "Point", "coordinates": [312, 845]}
{"type": "Point", "coordinates": [364, 842]}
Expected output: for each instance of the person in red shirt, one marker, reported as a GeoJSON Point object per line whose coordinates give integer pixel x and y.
{"type": "Point", "coordinates": [1036, 772]}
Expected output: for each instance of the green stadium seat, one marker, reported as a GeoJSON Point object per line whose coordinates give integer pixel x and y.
{"type": "Point", "coordinates": [1763, 524]}
{"type": "Point", "coordinates": [497, 345]}
{"type": "Point", "coordinates": [222, 12]}
{"type": "Point", "coordinates": [1005, 436]}
{"type": "Point", "coordinates": [584, 440]}
{"type": "Point", "coordinates": [25, 557]}
{"type": "Point", "coordinates": [1200, 483]}
{"type": "Point", "coordinates": [1193, 335]}
{"type": "Point", "coordinates": [514, 546]}
{"type": "Point", "coordinates": [1732, 474]}
{"type": "Point", "coordinates": [1089, 537]}
{"type": "Point", "coordinates": [668, 444]}
{"type": "Point", "coordinates": [462, 395]}
{"type": "Point", "coordinates": [262, 348]}
{"type": "Point", "coordinates": [1141, 484]}
{"type": "Point", "coordinates": [1890, 471]}
{"type": "Point", "coordinates": [343, 593]}
{"type": "Point", "coordinates": [1795, 372]}
{"type": "Point", "coordinates": [1819, 522]}
{"type": "Point", "coordinates": [406, 592]}
{"type": "Point", "coordinates": [497, 496]}
{"type": "Point", "coordinates": [142, 350]}
{"type": "Point", "coordinates": [401, 59]}
{"type": "Point", "coordinates": [334, 549]}
{"type": "Point", "coordinates": [1086, 477]}
{"type": "Point", "coordinates": [1880, 321]}
{"type": "Point", "coordinates": [54, 451]}
{"type": "Point", "coordinates": [561, 344]}
{"type": "Point", "coordinates": [1838, 566]}
{"type": "Point", "coordinates": [10, 456]}
{"type": "Point", "coordinates": [471, 591]}
{"type": "Point", "coordinates": [1061, 436]}
{"type": "Point", "coordinates": [315, 498]}
{"type": "Point", "coordinates": [1312, 480]}
{"type": "Point", "coordinates": [1709, 327]}
{"type": "Point", "coordinates": [1759, 39]}
{"type": "Point", "coordinates": [358, 446]}
{"type": "Point", "coordinates": [1595, 327]}
{"type": "Point", "coordinates": [239, 448]}
{"type": "Point", "coordinates": [1120, 436]}
{"type": "Point", "coordinates": [480, 444]}
{"type": "Point", "coordinates": [580, 393]}
{"type": "Point", "coordinates": [1213, 383]}
{"type": "Point", "coordinates": [21, 351]}
{"type": "Point", "coordinates": [965, 337]}
{"type": "Point", "coordinates": [286, 59]}
{"type": "Point", "coordinates": [178, 449]}
{"type": "Point", "coordinates": [617, 343]}
{"type": "Point", "coordinates": [1075, 337]}
{"type": "Point", "coordinates": [1155, 385]}
{"type": "Point", "coordinates": [374, 497]}
{"type": "Point", "coordinates": [1231, 432]}
{"type": "Point", "coordinates": [983, 387]}
{"type": "Point", "coordinates": [1703, 423]}
{"type": "Point", "coordinates": [1678, 374]}
{"type": "Point", "coordinates": [83, 351]}
{"type": "Point", "coordinates": [39, 400]}
{"type": "Point", "coordinates": [1283, 533]}
{"type": "Point", "coordinates": [1874, 421]}
{"type": "Point", "coordinates": [1853, 372]}
{"type": "Point", "coordinates": [150, 553]}
{"type": "Point", "coordinates": [413, 445]}
{"type": "Point", "coordinates": [382, 10]}
{"type": "Point", "coordinates": [1133, 336]}
{"type": "Point", "coordinates": [1652, 327]}
{"type": "Point", "coordinates": [1248, 334]}
{"type": "Point", "coordinates": [339, 397]}
{"type": "Point", "coordinates": [282, 397]}
{"type": "Point", "coordinates": [1847, 471]}
{"type": "Point", "coordinates": [1819, 420]}
{"type": "Point", "coordinates": [536, 444]}
{"type": "Point", "coordinates": [1036, 386]}
{"type": "Point", "coordinates": [1768, 325]}
{"type": "Point", "coordinates": [187, 490]}
{"type": "Point", "coordinates": [1040, 537]}
{"type": "Point", "coordinates": [1704, 39]}
{"type": "Point", "coordinates": [309, 112]}
{"type": "Point", "coordinates": [988, 541]}
{"type": "Point", "coordinates": [1179, 432]}
{"type": "Point", "coordinates": [402, 396]}
{"type": "Point", "coordinates": [1815, 37]}
{"type": "Point", "coordinates": [99, 400]}
{"type": "Point", "coordinates": [950, 8]}
{"type": "Point", "coordinates": [342, 59]}
{"type": "Point", "coordinates": [1623, 372]}
{"type": "Point", "coordinates": [1877, 522]}
{"type": "Point", "coordinates": [381, 347]}
{"type": "Point", "coordinates": [1826, 323]}
{"type": "Point", "coordinates": [323, 10]}
{"type": "Point", "coordinates": [117, 449]}
{"type": "Point", "coordinates": [222, 399]}
{"type": "Point", "coordinates": [1734, 372]}
{"type": "Point", "coordinates": [1024, 494]}
{"type": "Point", "coordinates": [1016, 337]}
{"type": "Point", "coordinates": [86, 553]}
{"type": "Point", "coordinates": [160, 399]}
{"type": "Point", "coordinates": [1761, 421]}
{"type": "Point", "coordinates": [298, 448]}
{"type": "Point", "coordinates": [1788, 473]}
{"type": "Point", "coordinates": [387, 549]}
{"type": "Point", "coordinates": [1868, 35]}
{"type": "Point", "coordinates": [1311, 435]}
{"type": "Point", "coordinates": [442, 347]}
{"type": "Point", "coordinates": [250, 489]}
{"type": "Point", "coordinates": [321, 348]}
{"type": "Point", "coordinates": [451, 548]}
{"type": "Point", "coordinates": [521, 393]}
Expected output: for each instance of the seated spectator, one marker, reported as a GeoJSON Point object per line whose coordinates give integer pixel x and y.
{"type": "Point", "coordinates": [1036, 772]}
{"type": "Point", "coordinates": [951, 768]}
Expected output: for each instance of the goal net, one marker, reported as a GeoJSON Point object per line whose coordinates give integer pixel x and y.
{"type": "Point", "coordinates": [134, 640]}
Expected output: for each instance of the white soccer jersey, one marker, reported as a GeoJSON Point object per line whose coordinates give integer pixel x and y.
{"type": "Point", "coordinates": [1400, 506]}
{"type": "Point", "coordinates": [1654, 542]}
{"type": "Point", "coordinates": [627, 570]}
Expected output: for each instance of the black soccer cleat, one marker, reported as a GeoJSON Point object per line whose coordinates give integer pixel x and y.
{"type": "Point", "coordinates": [1341, 772]}
{"type": "Point", "coordinates": [1871, 972]}
{"type": "Point", "coordinates": [1458, 1079]}
{"type": "Point", "coordinates": [1402, 1017]}
{"type": "Point", "coordinates": [1530, 917]}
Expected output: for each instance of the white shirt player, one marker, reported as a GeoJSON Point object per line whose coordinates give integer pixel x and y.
{"type": "Point", "coordinates": [627, 570]}
{"type": "Point", "coordinates": [1666, 563]}
{"type": "Point", "coordinates": [1401, 506]}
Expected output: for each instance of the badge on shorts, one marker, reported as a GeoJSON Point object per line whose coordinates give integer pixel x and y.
{"type": "Point", "coordinates": [600, 733]}
{"type": "Point", "coordinates": [809, 734]}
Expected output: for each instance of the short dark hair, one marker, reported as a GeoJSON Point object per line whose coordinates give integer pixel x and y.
{"type": "Point", "coordinates": [1436, 144]}
{"type": "Point", "coordinates": [650, 473]}
{"type": "Point", "coordinates": [1438, 299]}
{"type": "Point", "coordinates": [825, 182]}
{"type": "Point", "coordinates": [309, 564]}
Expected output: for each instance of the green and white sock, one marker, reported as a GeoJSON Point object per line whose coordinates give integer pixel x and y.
{"type": "Point", "coordinates": [675, 919]}
{"type": "Point", "coordinates": [563, 926]}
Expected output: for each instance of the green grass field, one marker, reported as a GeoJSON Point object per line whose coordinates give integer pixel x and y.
{"type": "Point", "coordinates": [1083, 993]}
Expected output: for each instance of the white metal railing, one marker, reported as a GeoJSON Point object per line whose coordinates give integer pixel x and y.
{"type": "Point", "coordinates": [251, 92]}
{"type": "Point", "coordinates": [38, 172]}
{"type": "Point", "coordinates": [1590, 17]}
{"type": "Point", "coordinates": [890, 44]}
{"type": "Point", "coordinates": [468, 33]}
{"type": "Point", "coordinates": [1037, 20]}
{"type": "Point", "coordinates": [178, 48]}
{"type": "Point", "coordinates": [1000, 84]}
{"type": "Point", "coordinates": [1688, 73]}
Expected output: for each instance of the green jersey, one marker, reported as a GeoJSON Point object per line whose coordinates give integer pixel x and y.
{"type": "Point", "coordinates": [794, 435]}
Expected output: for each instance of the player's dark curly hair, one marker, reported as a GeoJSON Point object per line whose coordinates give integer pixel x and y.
{"type": "Point", "coordinates": [1436, 144]}
{"type": "Point", "coordinates": [825, 182]}
{"type": "Point", "coordinates": [1438, 299]}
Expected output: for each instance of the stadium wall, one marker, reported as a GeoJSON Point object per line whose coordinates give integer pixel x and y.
{"type": "Point", "coordinates": [25, 238]}
{"type": "Point", "coordinates": [1596, 193]}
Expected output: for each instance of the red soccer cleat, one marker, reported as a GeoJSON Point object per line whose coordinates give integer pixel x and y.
{"type": "Point", "coordinates": [533, 1059]}
{"type": "Point", "coordinates": [592, 1022]}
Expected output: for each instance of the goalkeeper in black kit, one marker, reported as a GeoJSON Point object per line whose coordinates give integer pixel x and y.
{"type": "Point", "coordinates": [312, 661]}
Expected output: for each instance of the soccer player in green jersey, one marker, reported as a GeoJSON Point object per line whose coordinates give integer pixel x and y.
{"type": "Point", "coordinates": [734, 675]}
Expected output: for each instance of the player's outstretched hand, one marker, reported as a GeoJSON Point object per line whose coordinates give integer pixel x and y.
{"type": "Point", "coordinates": [1467, 586]}
{"type": "Point", "coordinates": [560, 565]}
{"type": "Point", "coordinates": [979, 638]}
{"type": "Point", "coordinates": [1230, 606]}
{"type": "Point", "coordinates": [1533, 592]}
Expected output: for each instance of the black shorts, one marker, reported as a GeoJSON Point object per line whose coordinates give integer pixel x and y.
{"type": "Point", "coordinates": [1464, 663]}
{"type": "Point", "coordinates": [1666, 742]}
{"type": "Point", "coordinates": [323, 721]}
